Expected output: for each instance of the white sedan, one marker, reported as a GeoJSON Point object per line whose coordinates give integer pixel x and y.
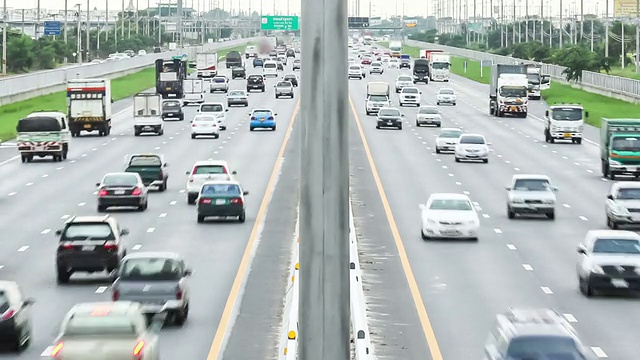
{"type": "Point", "coordinates": [472, 147]}
{"type": "Point", "coordinates": [205, 125]}
{"type": "Point", "coordinates": [448, 215]}
{"type": "Point", "coordinates": [393, 63]}
{"type": "Point", "coordinates": [448, 139]}
{"type": "Point", "coordinates": [446, 96]}
{"type": "Point", "coordinates": [428, 115]}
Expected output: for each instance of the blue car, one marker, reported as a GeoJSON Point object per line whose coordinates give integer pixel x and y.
{"type": "Point", "coordinates": [262, 119]}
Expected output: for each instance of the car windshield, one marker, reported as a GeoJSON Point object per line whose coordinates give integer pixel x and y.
{"type": "Point", "coordinates": [257, 61]}
{"type": "Point", "coordinates": [440, 65]}
{"type": "Point", "coordinates": [404, 78]}
{"type": "Point", "coordinates": [83, 231]}
{"type": "Point", "coordinates": [544, 347]}
{"type": "Point", "coordinates": [171, 104]}
{"type": "Point", "coordinates": [99, 324]}
{"type": "Point", "coordinates": [204, 118]}
{"type": "Point", "coordinates": [145, 161]}
{"type": "Point", "coordinates": [513, 91]}
{"type": "Point", "coordinates": [211, 108]}
{"type": "Point", "coordinates": [270, 65]}
{"type": "Point", "coordinates": [236, 93]}
{"type": "Point", "coordinates": [389, 112]}
{"type": "Point", "coordinates": [221, 189]}
{"type": "Point", "coordinates": [567, 114]}
{"type": "Point", "coordinates": [472, 140]}
{"type": "Point", "coordinates": [284, 84]}
{"type": "Point", "coordinates": [120, 180]}
{"type": "Point", "coordinates": [209, 169]}
{"type": "Point", "coordinates": [616, 246]}
{"type": "Point", "coordinates": [354, 67]}
{"type": "Point", "coordinates": [376, 64]}
{"type": "Point", "coordinates": [450, 134]}
{"type": "Point", "coordinates": [410, 91]}
{"type": "Point", "coordinates": [626, 144]}
{"type": "Point", "coordinates": [450, 204]}
{"type": "Point", "coordinates": [151, 269]}
{"type": "Point", "coordinates": [532, 185]}
{"type": "Point", "coordinates": [255, 78]}
{"type": "Point", "coordinates": [219, 80]}
{"type": "Point", "coordinates": [378, 98]}
{"type": "Point", "coordinates": [628, 194]}
{"type": "Point", "coordinates": [428, 110]}
{"type": "Point", "coordinates": [446, 92]}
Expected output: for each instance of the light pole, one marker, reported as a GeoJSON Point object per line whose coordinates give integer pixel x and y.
{"type": "Point", "coordinates": [88, 29]}
{"type": "Point", "coordinates": [637, 56]}
{"type": "Point", "coordinates": [606, 29]}
{"type": "Point", "coordinates": [561, 26]}
{"type": "Point", "coordinates": [4, 38]}
{"type": "Point", "coordinates": [66, 12]}
{"type": "Point", "coordinates": [78, 37]}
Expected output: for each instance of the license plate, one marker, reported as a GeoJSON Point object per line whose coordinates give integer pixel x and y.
{"type": "Point", "coordinates": [619, 283]}
{"type": "Point", "coordinates": [88, 248]}
{"type": "Point", "coordinates": [221, 201]}
{"type": "Point", "coordinates": [148, 127]}
{"type": "Point", "coordinates": [389, 123]}
{"type": "Point", "coordinates": [450, 232]}
{"type": "Point", "coordinates": [567, 135]}
{"type": "Point", "coordinates": [119, 192]}
{"type": "Point", "coordinates": [632, 168]}
{"type": "Point", "coordinates": [87, 126]}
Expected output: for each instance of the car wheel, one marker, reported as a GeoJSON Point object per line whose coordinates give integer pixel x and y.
{"type": "Point", "coordinates": [417, 123]}
{"type": "Point", "coordinates": [250, 129]}
{"type": "Point", "coordinates": [63, 276]}
{"type": "Point", "coordinates": [510, 213]}
{"type": "Point", "coordinates": [191, 198]}
{"type": "Point", "coordinates": [551, 215]}
{"type": "Point", "coordinates": [584, 287]}
{"type": "Point", "coordinates": [179, 317]}
{"type": "Point", "coordinates": [378, 127]}
{"type": "Point", "coordinates": [399, 127]}
{"type": "Point", "coordinates": [485, 161]}
{"type": "Point", "coordinates": [242, 217]}
{"type": "Point", "coordinates": [437, 151]}
{"type": "Point", "coordinates": [101, 208]}
{"type": "Point", "coordinates": [457, 159]}
{"type": "Point", "coordinates": [424, 237]}
{"type": "Point", "coordinates": [200, 219]}
{"type": "Point", "coordinates": [273, 128]}
{"type": "Point", "coordinates": [193, 136]}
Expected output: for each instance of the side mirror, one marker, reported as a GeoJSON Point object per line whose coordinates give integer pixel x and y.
{"type": "Point", "coordinates": [58, 232]}
{"type": "Point", "coordinates": [165, 164]}
{"type": "Point", "coordinates": [555, 188]}
{"type": "Point", "coordinates": [28, 302]}
{"type": "Point", "coordinates": [97, 184]}
{"type": "Point", "coordinates": [275, 114]}
{"type": "Point", "coordinates": [546, 113]}
{"type": "Point", "coordinates": [124, 232]}
{"type": "Point", "coordinates": [508, 188]}
{"type": "Point", "coordinates": [245, 193]}
{"type": "Point", "coordinates": [402, 115]}
{"type": "Point", "coordinates": [610, 197]}
{"type": "Point", "coordinates": [586, 114]}
{"type": "Point", "coordinates": [226, 110]}
{"type": "Point", "coordinates": [187, 172]}
{"type": "Point", "coordinates": [188, 272]}
{"type": "Point", "coordinates": [234, 173]}
{"type": "Point", "coordinates": [197, 110]}
{"type": "Point", "coordinates": [581, 249]}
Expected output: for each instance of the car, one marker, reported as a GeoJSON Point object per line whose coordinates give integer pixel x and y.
{"type": "Point", "coordinates": [262, 119]}
{"type": "Point", "coordinates": [270, 68]}
{"type": "Point", "coordinates": [205, 124]}
{"type": "Point", "coordinates": [450, 216]}
{"type": "Point", "coordinates": [257, 62]}
{"type": "Point", "coordinates": [221, 199]}
{"type": "Point", "coordinates": [284, 88]}
{"type": "Point", "coordinates": [385, 59]}
{"type": "Point", "coordinates": [122, 189]}
{"type": "Point", "coordinates": [376, 68]}
{"type": "Point", "coordinates": [217, 110]}
{"type": "Point", "coordinates": [405, 64]}
{"type": "Point", "coordinates": [403, 81]}
{"type": "Point", "coordinates": [375, 103]}
{"type": "Point", "coordinates": [365, 61]}
{"type": "Point", "coordinates": [280, 65]}
{"type": "Point", "coordinates": [429, 115]}
{"type": "Point", "coordinates": [622, 206]}
{"type": "Point", "coordinates": [356, 71]}
{"type": "Point", "coordinates": [156, 280]}
{"type": "Point", "coordinates": [608, 260]}
{"type": "Point", "coordinates": [15, 316]}
{"type": "Point", "coordinates": [291, 53]}
{"type": "Point", "coordinates": [107, 330]}
{"type": "Point", "coordinates": [89, 244]}
{"type": "Point", "coordinates": [172, 109]}
{"type": "Point", "coordinates": [237, 97]}
{"type": "Point", "coordinates": [151, 168]}
{"type": "Point", "coordinates": [219, 83]}
{"type": "Point", "coordinates": [448, 139]}
{"type": "Point", "coordinates": [389, 117]}
{"type": "Point", "coordinates": [292, 78]}
{"type": "Point", "coordinates": [446, 96]}
{"type": "Point", "coordinates": [282, 57]}
{"type": "Point", "coordinates": [531, 194]}
{"type": "Point", "coordinates": [256, 82]}
{"type": "Point", "coordinates": [203, 171]}
{"type": "Point", "coordinates": [472, 147]}
{"type": "Point", "coordinates": [238, 73]}
{"type": "Point", "coordinates": [410, 95]}
{"type": "Point", "coordinates": [393, 63]}
{"type": "Point", "coordinates": [541, 333]}
{"type": "Point", "coordinates": [296, 64]}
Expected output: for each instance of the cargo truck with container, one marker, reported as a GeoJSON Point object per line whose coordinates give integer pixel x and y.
{"type": "Point", "coordinates": [43, 133]}
{"type": "Point", "coordinates": [396, 48]}
{"type": "Point", "coordinates": [207, 64]}
{"type": "Point", "coordinates": [194, 90]}
{"type": "Point", "coordinates": [170, 75]}
{"type": "Point", "coordinates": [439, 64]}
{"type": "Point", "coordinates": [508, 90]}
{"type": "Point", "coordinates": [147, 114]}
{"type": "Point", "coordinates": [426, 54]}
{"type": "Point", "coordinates": [564, 122]}
{"type": "Point", "coordinates": [377, 96]}
{"type": "Point", "coordinates": [89, 106]}
{"type": "Point", "coordinates": [620, 147]}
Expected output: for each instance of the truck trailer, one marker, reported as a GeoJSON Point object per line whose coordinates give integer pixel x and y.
{"type": "Point", "coordinates": [206, 64]}
{"type": "Point", "coordinates": [89, 106]}
{"type": "Point", "coordinates": [508, 90]}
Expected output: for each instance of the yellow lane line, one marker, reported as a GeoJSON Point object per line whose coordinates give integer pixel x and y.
{"type": "Point", "coordinates": [404, 260]}
{"type": "Point", "coordinates": [225, 319]}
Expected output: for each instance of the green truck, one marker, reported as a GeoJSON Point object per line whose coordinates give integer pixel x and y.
{"type": "Point", "coordinates": [150, 167]}
{"type": "Point", "coordinates": [43, 133]}
{"type": "Point", "coordinates": [620, 147]}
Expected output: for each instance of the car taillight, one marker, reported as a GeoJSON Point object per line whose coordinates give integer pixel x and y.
{"type": "Point", "coordinates": [66, 245]}
{"type": "Point", "coordinates": [236, 201]}
{"type": "Point", "coordinates": [110, 245]}
{"type": "Point", "coordinates": [136, 191]}
{"type": "Point", "coordinates": [179, 294]}
{"type": "Point", "coordinates": [116, 295]}
{"type": "Point", "coordinates": [270, 118]}
{"type": "Point", "coordinates": [253, 118]}
{"type": "Point", "coordinates": [56, 349]}
{"type": "Point", "coordinates": [8, 314]}
{"type": "Point", "coordinates": [224, 170]}
{"type": "Point", "coordinates": [137, 350]}
{"type": "Point", "coordinates": [205, 201]}
{"type": "Point", "coordinates": [102, 192]}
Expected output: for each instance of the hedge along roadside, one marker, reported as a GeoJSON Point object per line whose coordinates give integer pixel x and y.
{"type": "Point", "coordinates": [598, 106]}
{"type": "Point", "coordinates": [121, 88]}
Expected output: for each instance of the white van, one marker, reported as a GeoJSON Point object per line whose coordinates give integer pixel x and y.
{"type": "Point", "coordinates": [270, 68]}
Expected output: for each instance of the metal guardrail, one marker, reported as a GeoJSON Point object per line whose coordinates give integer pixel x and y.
{"type": "Point", "coordinates": [26, 86]}
{"type": "Point", "coordinates": [603, 82]}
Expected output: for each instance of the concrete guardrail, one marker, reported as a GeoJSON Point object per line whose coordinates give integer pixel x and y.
{"type": "Point", "coordinates": [26, 86]}
{"type": "Point", "coordinates": [288, 348]}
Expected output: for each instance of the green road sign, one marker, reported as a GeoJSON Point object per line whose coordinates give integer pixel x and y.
{"type": "Point", "coordinates": [279, 23]}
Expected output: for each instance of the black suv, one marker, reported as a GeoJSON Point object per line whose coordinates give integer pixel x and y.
{"type": "Point", "coordinates": [89, 244]}
{"type": "Point", "coordinates": [255, 82]}
{"type": "Point", "coordinates": [405, 63]}
{"type": "Point", "coordinates": [172, 109]}
{"type": "Point", "coordinates": [238, 72]}
{"type": "Point", "coordinates": [291, 53]}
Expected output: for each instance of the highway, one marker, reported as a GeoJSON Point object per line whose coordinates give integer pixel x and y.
{"type": "Point", "coordinates": [43, 194]}
{"type": "Point", "coordinates": [459, 287]}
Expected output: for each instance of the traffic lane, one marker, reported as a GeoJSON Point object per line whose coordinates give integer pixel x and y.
{"type": "Point", "coordinates": [448, 273]}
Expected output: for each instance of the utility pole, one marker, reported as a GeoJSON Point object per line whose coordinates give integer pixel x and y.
{"type": "Point", "coordinates": [606, 29]}
{"type": "Point", "coordinates": [106, 21]}
{"type": "Point", "coordinates": [137, 15]}
{"type": "Point", "coordinates": [66, 12]}
{"type": "Point", "coordinates": [622, 43]}
{"type": "Point", "coordinates": [78, 37]}
{"type": "Point", "coordinates": [502, 37]}
{"type": "Point", "coordinates": [591, 34]}
{"type": "Point", "coordinates": [37, 27]}
{"type": "Point", "coordinates": [180, 30]}
{"type": "Point", "coordinates": [4, 38]}
{"type": "Point", "coordinates": [475, 17]}
{"type": "Point", "coordinates": [526, 21]}
{"type": "Point", "coordinates": [542, 22]}
{"type": "Point", "coordinates": [637, 55]}
{"type": "Point", "coordinates": [88, 30]}
{"type": "Point", "coordinates": [514, 24]}
{"type": "Point", "coordinates": [324, 311]}
{"type": "Point", "coordinates": [582, 20]}
{"type": "Point", "coordinates": [122, 21]}
{"type": "Point", "coordinates": [561, 25]}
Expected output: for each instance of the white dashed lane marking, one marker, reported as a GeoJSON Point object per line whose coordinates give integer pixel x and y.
{"type": "Point", "coordinates": [29, 184]}
{"type": "Point", "coordinates": [64, 217]}
{"type": "Point", "coordinates": [599, 352]}
{"type": "Point", "coordinates": [45, 175]}
{"type": "Point", "coordinates": [12, 193]}
{"type": "Point", "coordinates": [527, 267]}
{"type": "Point", "coordinates": [45, 231]}
{"type": "Point", "coordinates": [173, 202]}
{"type": "Point", "coordinates": [101, 289]}
{"type": "Point", "coordinates": [583, 218]}
{"type": "Point", "coordinates": [23, 248]}
{"type": "Point", "coordinates": [486, 216]}
{"type": "Point", "coordinates": [570, 318]}
{"type": "Point", "coordinates": [136, 247]}
{"type": "Point", "coordinates": [163, 215]}
{"type": "Point", "coordinates": [567, 206]}
{"type": "Point", "coordinates": [546, 290]}
{"type": "Point", "coordinates": [82, 204]}
{"type": "Point", "coordinates": [511, 247]}
{"type": "Point", "coordinates": [497, 231]}
{"type": "Point", "coordinates": [150, 230]}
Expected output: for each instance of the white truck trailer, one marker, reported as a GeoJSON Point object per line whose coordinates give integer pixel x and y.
{"type": "Point", "coordinates": [207, 64]}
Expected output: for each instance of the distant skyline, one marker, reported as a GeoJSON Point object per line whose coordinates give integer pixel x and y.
{"type": "Point", "coordinates": [383, 8]}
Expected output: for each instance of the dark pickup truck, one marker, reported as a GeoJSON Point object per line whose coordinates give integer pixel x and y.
{"type": "Point", "coordinates": [151, 168]}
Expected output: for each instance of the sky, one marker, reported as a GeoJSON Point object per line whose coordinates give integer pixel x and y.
{"type": "Point", "coordinates": [384, 8]}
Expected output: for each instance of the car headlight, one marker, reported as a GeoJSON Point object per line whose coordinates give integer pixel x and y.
{"type": "Point", "coordinates": [597, 269]}
{"type": "Point", "coordinates": [621, 211]}
{"type": "Point", "coordinates": [613, 162]}
{"type": "Point", "coordinates": [517, 200]}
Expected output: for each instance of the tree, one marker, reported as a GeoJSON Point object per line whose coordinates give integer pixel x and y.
{"type": "Point", "coordinates": [20, 56]}
{"type": "Point", "coordinates": [579, 58]}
